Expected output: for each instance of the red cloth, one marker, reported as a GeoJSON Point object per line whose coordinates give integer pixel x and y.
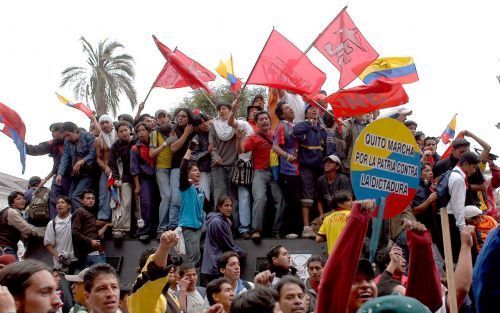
{"type": "Point", "coordinates": [423, 276]}
{"type": "Point", "coordinates": [282, 65]}
{"type": "Point", "coordinates": [181, 71]}
{"type": "Point", "coordinates": [379, 94]}
{"type": "Point", "coordinates": [340, 269]}
{"type": "Point", "coordinates": [261, 150]}
{"type": "Point", "coordinates": [346, 48]}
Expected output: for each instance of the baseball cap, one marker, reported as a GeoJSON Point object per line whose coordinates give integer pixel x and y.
{"type": "Point", "coordinates": [472, 211]}
{"type": "Point", "coordinates": [366, 268]}
{"type": "Point", "coordinates": [403, 111]}
{"type": "Point", "coordinates": [160, 111]}
{"type": "Point", "coordinates": [77, 278]}
{"type": "Point", "coordinates": [333, 158]}
{"type": "Point", "coordinates": [393, 304]}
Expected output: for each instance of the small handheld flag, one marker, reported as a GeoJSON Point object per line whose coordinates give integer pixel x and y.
{"type": "Point", "coordinates": [226, 70]}
{"type": "Point", "coordinates": [79, 106]}
{"type": "Point", "coordinates": [449, 132]}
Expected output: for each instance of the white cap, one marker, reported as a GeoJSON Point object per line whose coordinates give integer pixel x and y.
{"type": "Point", "coordinates": [333, 158]}
{"type": "Point", "coordinates": [472, 211]}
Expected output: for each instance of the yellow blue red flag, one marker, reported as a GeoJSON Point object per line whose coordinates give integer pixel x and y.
{"type": "Point", "coordinates": [226, 70]}
{"type": "Point", "coordinates": [399, 69]}
{"type": "Point", "coordinates": [449, 132]}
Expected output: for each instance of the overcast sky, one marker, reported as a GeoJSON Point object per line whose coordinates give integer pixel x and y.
{"type": "Point", "coordinates": [455, 47]}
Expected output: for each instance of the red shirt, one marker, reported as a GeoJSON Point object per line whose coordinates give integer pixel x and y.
{"type": "Point", "coordinates": [261, 150]}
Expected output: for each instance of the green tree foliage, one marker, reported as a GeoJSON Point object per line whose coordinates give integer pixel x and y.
{"type": "Point", "coordinates": [106, 76]}
{"type": "Point", "coordinates": [221, 93]}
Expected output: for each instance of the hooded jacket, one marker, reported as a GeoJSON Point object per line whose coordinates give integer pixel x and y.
{"type": "Point", "coordinates": [219, 239]}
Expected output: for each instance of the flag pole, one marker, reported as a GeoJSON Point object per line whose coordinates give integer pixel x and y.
{"type": "Point", "coordinates": [253, 68]}
{"type": "Point", "coordinates": [206, 96]}
{"type": "Point", "coordinates": [147, 96]}
{"type": "Point", "coordinates": [312, 44]}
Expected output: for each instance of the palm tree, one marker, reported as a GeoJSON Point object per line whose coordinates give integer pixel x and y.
{"type": "Point", "coordinates": [106, 77]}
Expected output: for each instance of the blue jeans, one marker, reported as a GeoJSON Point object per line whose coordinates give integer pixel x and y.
{"type": "Point", "coordinates": [104, 213]}
{"type": "Point", "coordinates": [262, 181]}
{"type": "Point", "coordinates": [163, 180]}
{"type": "Point", "coordinates": [76, 188]}
{"type": "Point", "coordinates": [245, 209]}
{"type": "Point", "coordinates": [94, 259]}
{"type": "Point", "coordinates": [173, 211]}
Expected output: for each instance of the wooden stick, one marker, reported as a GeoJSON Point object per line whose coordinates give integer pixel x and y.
{"type": "Point", "coordinates": [147, 96]}
{"type": "Point", "coordinates": [206, 96]}
{"type": "Point", "coordinates": [448, 259]}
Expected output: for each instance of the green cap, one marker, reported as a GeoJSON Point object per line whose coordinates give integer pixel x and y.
{"type": "Point", "coordinates": [393, 304]}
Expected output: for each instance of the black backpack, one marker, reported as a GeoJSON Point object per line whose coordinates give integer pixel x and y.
{"type": "Point", "coordinates": [442, 191]}
{"type": "Point", "coordinates": [38, 209]}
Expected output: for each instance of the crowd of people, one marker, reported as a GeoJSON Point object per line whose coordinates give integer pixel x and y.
{"type": "Point", "coordinates": [195, 183]}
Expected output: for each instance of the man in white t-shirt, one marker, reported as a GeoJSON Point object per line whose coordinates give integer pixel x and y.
{"type": "Point", "coordinates": [191, 297]}
{"type": "Point", "coordinates": [58, 240]}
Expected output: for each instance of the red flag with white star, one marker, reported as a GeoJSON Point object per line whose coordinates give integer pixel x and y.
{"type": "Point", "coordinates": [346, 48]}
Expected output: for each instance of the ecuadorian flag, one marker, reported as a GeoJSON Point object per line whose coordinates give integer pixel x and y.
{"type": "Point", "coordinates": [398, 69]}
{"type": "Point", "coordinates": [79, 106]}
{"type": "Point", "coordinates": [225, 69]}
{"type": "Point", "coordinates": [449, 132]}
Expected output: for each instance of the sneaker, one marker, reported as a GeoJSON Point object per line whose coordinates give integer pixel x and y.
{"type": "Point", "coordinates": [144, 237]}
{"type": "Point", "coordinates": [245, 235]}
{"type": "Point", "coordinates": [292, 236]}
{"type": "Point", "coordinates": [140, 223]}
{"type": "Point", "coordinates": [119, 235]}
{"type": "Point", "coordinates": [308, 232]}
{"type": "Point", "coordinates": [276, 236]}
{"type": "Point", "coordinates": [255, 236]}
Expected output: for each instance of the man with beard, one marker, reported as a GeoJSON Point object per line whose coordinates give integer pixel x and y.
{"type": "Point", "coordinates": [119, 163]}
{"type": "Point", "coordinates": [159, 148]}
{"type": "Point", "coordinates": [102, 290]}
{"type": "Point", "coordinates": [33, 287]}
{"type": "Point", "coordinates": [102, 145]}
{"type": "Point", "coordinates": [54, 148]}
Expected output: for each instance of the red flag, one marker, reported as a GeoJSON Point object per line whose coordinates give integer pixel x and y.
{"type": "Point", "coordinates": [282, 65]}
{"type": "Point", "coordinates": [12, 125]}
{"type": "Point", "coordinates": [181, 71]}
{"type": "Point", "coordinates": [346, 48]}
{"type": "Point", "coordinates": [379, 94]}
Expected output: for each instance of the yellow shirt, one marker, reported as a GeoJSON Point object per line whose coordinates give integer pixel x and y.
{"type": "Point", "coordinates": [164, 159]}
{"type": "Point", "coordinates": [332, 227]}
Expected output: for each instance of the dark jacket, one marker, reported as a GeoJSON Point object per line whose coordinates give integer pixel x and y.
{"type": "Point", "coordinates": [84, 230]}
{"type": "Point", "coordinates": [200, 153]}
{"type": "Point", "coordinates": [54, 148]}
{"type": "Point", "coordinates": [120, 151]}
{"type": "Point", "coordinates": [219, 239]}
{"type": "Point", "coordinates": [311, 144]}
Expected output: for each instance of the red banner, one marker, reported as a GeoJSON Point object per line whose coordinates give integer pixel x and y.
{"type": "Point", "coordinates": [282, 65]}
{"type": "Point", "coordinates": [346, 48]}
{"type": "Point", "coordinates": [379, 94]}
{"type": "Point", "coordinates": [181, 71]}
